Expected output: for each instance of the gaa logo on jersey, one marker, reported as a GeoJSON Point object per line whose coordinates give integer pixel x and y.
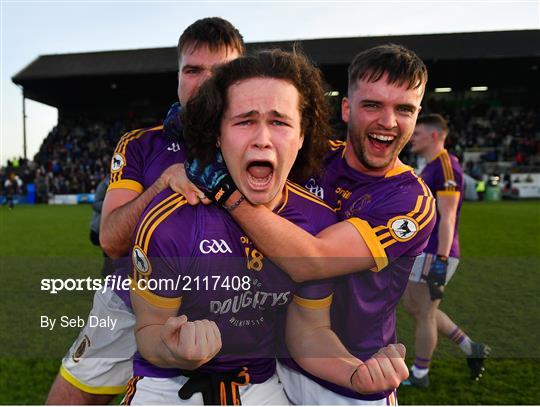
{"type": "Point", "coordinates": [450, 183]}
{"type": "Point", "coordinates": [402, 228]}
{"type": "Point", "coordinates": [140, 261]}
{"type": "Point", "coordinates": [118, 162]}
{"type": "Point", "coordinates": [214, 246]}
{"type": "Point", "coordinates": [315, 189]}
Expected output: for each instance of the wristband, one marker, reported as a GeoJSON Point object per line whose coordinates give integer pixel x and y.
{"type": "Point", "coordinates": [236, 204]}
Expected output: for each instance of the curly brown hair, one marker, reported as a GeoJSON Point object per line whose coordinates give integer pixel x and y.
{"type": "Point", "coordinates": [201, 117]}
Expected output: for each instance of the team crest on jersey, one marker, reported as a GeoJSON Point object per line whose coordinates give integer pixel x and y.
{"type": "Point", "coordinates": [140, 261]}
{"type": "Point", "coordinates": [118, 162]}
{"type": "Point", "coordinates": [450, 183]}
{"type": "Point", "coordinates": [79, 352]}
{"type": "Point", "coordinates": [402, 228]}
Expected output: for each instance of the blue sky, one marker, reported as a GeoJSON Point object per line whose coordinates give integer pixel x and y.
{"type": "Point", "coordinates": [33, 28]}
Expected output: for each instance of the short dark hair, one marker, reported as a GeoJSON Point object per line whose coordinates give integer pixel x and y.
{"type": "Point", "coordinates": [214, 32]}
{"type": "Point", "coordinates": [401, 64]}
{"type": "Point", "coordinates": [435, 120]}
{"type": "Point", "coordinates": [202, 116]}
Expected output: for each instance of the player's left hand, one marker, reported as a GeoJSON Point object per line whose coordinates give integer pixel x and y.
{"type": "Point", "coordinates": [213, 179]}
{"type": "Point", "coordinates": [383, 371]}
{"type": "Point", "coordinates": [436, 278]}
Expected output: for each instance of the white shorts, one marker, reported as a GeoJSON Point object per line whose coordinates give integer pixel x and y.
{"type": "Point", "coordinates": [301, 390]}
{"type": "Point", "coordinates": [158, 391]}
{"type": "Point", "coordinates": [422, 264]}
{"type": "Point", "coordinates": [100, 361]}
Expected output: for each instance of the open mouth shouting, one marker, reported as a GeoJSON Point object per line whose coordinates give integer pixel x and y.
{"type": "Point", "coordinates": [260, 174]}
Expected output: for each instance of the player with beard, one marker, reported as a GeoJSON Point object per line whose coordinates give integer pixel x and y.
{"type": "Point", "coordinates": [388, 214]}
{"type": "Point", "coordinates": [145, 161]}
{"type": "Point", "coordinates": [216, 342]}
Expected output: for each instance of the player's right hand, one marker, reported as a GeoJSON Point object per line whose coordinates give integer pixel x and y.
{"type": "Point", "coordinates": [385, 370]}
{"type": "Point", "coordinates": [213, 179]}
{"type": "Point", "coordinates": [191, 343]}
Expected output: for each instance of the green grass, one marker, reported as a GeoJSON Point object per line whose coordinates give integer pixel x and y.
{"type": "Point", "coordinates": [493, 297]}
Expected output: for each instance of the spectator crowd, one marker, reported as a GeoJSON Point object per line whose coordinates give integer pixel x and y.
{"type": "Point", "coordinates": [75, 156]}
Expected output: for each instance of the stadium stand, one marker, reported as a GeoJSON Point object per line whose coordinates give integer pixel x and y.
{"type": "Point", "coordinates": [494, 132]}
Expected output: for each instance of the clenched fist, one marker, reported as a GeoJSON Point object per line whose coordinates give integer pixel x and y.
{"type": "Point", "coordinates": [385, 370]}
{"type": "Point", "coordinates": [191, 343]}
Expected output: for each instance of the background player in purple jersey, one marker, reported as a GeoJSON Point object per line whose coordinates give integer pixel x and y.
{"type": "Point", "coordinates": [263, 112]}
{"type": "Point", "coordinates": [389, 215]}
{"type": "Point", "coordinates": [144, 164]}
{"type": "Point", "coordinates": [437, 264]}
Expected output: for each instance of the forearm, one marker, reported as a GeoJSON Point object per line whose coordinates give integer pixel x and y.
{"type": "Point", "coordinates": [445, 236]}
{"type": "Point", "coordinates": [118, 226]}
{"type": "Point", "coordinates": [301, 255]}
{"type": "Point", "coordinates": [321, 353]}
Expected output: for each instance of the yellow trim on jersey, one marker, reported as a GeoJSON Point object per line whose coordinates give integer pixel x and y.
{"type": "Point", "coordinates": [425, 189]}
{"type": "Point", "coordinates": [429, 204]}
{"type": "Point", "coordinates": [321, 303]}
{"type": "Point", "coordinates": [448, 171]}
{"type": "Point", "coordinates": [126, 184]}
{"type": "Point", "coordinates": [304, 193]}
{"type": "Point", "coordinates": [437, 156]}
{"type": "Point", "coordinates": [448, 193]}
{"type": "Point", "coordinates": [122, 146]}
{"type": "Point", "coordinates": [89, 389]}
{"type": "Point", "coordinates": [120, 149]}
{"type": "Point", "coordinates": [285, 200]}
{"type": "Point", "coordinates": [397, 170]}
{"type": "Point", "coordinates": [372, 242]}
{"type": "Point", "coordinates": [154, 299]}
{"type": "Point", "coordinates": [174, 205]}
{"type": "Point", "coordinates": [336, 144]}
{"type": "Point", "coordinates": [417, 206]}
{"type": "Point", "coordinates": [432, 214]}
{"type": "Point", "coordinates": [153, 213]}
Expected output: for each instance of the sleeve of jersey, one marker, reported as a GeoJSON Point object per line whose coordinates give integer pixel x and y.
{"type": "Point", "coordinates": [449, 181]}
{"type": "Point", "coordinates": [399, 226]}
{"type": "Point", "coordinates": [159, 254]}
{"type": "Point", "coordinates": [315, 294]}
{"type": "Point", "coordinates": [127, 163]}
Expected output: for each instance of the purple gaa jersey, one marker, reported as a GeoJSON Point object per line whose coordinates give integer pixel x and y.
{"type": "Point", "coordinates": [216, 273]}
{"type": "Point", "coordinates": [444, 176]}
{"type": "Point", "coordinates": [395, 215]}
{"type": "Point", "coordinates": [139, 159]}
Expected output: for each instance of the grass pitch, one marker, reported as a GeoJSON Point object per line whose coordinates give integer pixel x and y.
{"type": "Point", "coordinates": [493, 297]}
